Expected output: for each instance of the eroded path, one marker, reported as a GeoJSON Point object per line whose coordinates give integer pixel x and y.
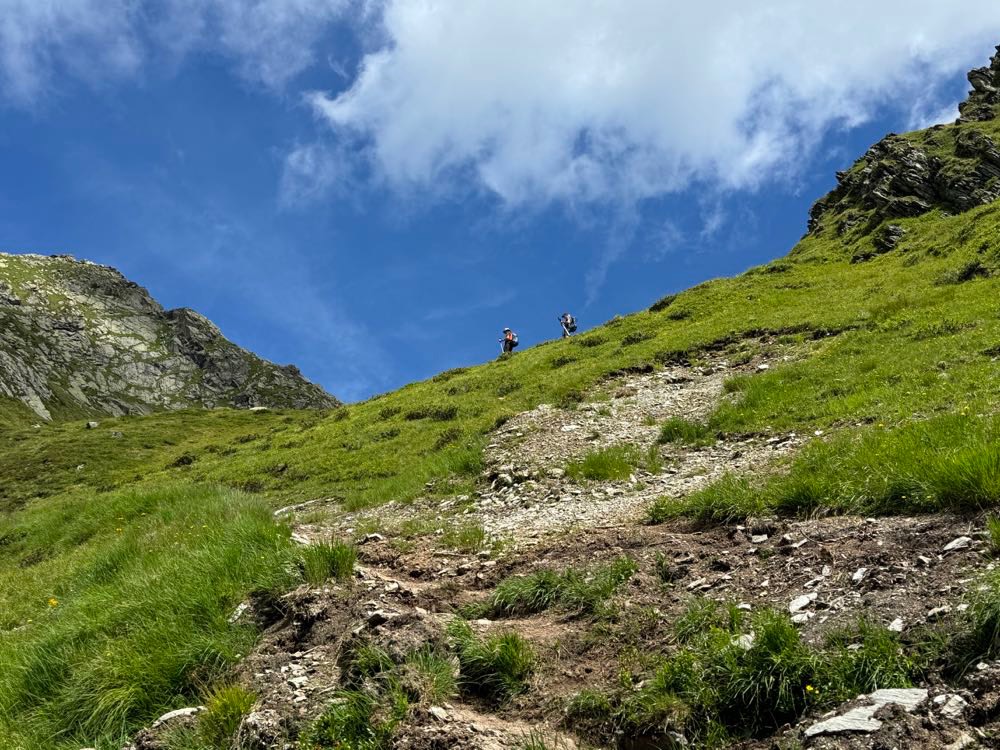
{"type": "Point", "coordinates": [530, 496]}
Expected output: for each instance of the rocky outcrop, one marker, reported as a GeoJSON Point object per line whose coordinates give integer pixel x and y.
{"type": "Point", "coordinates": [985, 95]}
{"type": "Point", "coordinates": [896, 179]}
{"type": "Point", "coordinates": [903, 177]}
{"type": "Point", "coordinates": [80, 338]}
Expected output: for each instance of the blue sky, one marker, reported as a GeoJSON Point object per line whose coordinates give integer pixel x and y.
{"type": "Point", "coordinates": [372, 190]}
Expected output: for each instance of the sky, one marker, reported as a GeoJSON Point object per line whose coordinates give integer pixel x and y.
{"type": "Point", "coordinates": [373, 189]}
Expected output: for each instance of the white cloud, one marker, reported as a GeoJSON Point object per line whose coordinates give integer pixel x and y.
{"type": "Point", "coordinates": [91, 40]}
{"type": "Point", "coordinates": [43, 42]}
{"type": "Point", "coordinates": [606, 100]}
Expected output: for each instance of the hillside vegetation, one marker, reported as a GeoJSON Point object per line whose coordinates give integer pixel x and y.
{"type": "Point", "coordinates": [125, 549]}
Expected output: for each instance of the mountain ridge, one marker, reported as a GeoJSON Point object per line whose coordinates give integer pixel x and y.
{"type": "Point", "coordinates": [80, 339]}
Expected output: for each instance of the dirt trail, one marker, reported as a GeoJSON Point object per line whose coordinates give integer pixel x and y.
{"type": "Point", "coordinates": [530, 496]}
{"type": "Point", "coordinates": [902, 573]}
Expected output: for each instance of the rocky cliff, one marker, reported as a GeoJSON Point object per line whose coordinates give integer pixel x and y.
{"type": "Point", "coordinates": [950, 168]}
{"type": "Point", "coordinates": [79, 338]}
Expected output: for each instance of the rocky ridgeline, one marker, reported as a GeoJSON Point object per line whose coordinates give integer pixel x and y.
{"type": "Point", "coordinates": [899, 177]}
{"type": "Point", "coordinates": [80, 338]}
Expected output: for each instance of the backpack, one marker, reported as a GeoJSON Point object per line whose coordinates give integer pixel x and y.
{"type": "Point", "coordinates": [571, 324]}
{"type": "Point", "coordinates": [513, 339]}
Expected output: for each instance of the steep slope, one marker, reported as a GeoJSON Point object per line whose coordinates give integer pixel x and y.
{"type": "Point", "coordinates": [79, 339]}
{"type": "Point", "coordinates": [706, 524]}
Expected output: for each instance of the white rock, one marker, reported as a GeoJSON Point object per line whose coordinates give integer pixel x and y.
{"type": "Point", "coordinates": [952, 706]}
{"type": "Point", "coordinates": [570, 427]}
{"type": "Point", "coordinates": [745, 641]}
{"type": "Point", "coordinates": [758, 538]}
{"type": "Point", "coordinates": [801, 602]}
{"type": "Point", "coordinates": [938, 612]}
{"type": "Point", "coordinates": [180, 713]}
{"type": "Point", "coordinates": [803, 617]}
{"type": "Point", "coordinates": [438, 713]}
{"type": "Point", "coordinates": [896, 626]}
{"type": "Point", "coordinates": [955, 544]}
{"type": "Point", "coordinates": [859, 575]}
{"type": "Point", "coordinates": [862, 719]}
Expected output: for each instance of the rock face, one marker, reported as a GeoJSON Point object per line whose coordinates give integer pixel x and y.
{"type": "Point", "coordinates": [80, 338]}
{"type": "Point", "coordinates": [985, 94]}
{"type": "Point", "coordinates": [954, 168]}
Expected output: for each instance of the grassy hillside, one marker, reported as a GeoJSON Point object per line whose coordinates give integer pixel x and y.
{"type": "Point", "coordinates": [124, 549]}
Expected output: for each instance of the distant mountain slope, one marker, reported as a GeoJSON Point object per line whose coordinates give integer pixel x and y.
{"type": "Point", "coordinates": [77, 338]}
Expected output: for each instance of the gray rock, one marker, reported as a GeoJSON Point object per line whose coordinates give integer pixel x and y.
{"type": "Point", "coordinates": [938, 612]}
{"type": "Point", "coordinates": [951, 706]}
{"type": "Point", "coordinates": [801, 602]}
{"type": "Point", "coordinates": [897, 178]}
{"type": "Point", "coordinates": [861, 719]}
{"type": "Point", "coordinates": [956, 544]}
{"type": "Point", "coordinates": [108, 347]}
{"type": "Point", "coordinates": [438, 713]}
{"type": "Point", "coordinates": [93, 425]}
{"type": "Point", "coordinates": [180, 713]}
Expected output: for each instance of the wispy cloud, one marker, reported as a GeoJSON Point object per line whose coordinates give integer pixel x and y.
{"type": "Point", "coordinates": [46, 43]}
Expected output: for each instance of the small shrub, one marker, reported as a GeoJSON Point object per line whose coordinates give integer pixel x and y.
{"type": "Point", "coordinates": [444, 377]}
{"type": "Point", "coordinates": [447, 437]}
{"type": "Point", "coordinates": [388, 412]}
{"type": "Point", "coordinates": [607, 464]}
{"type": "Point", "coordinates": [507, 387]}
{"type": "Point", "coordinates": [328, 560]}
{"type": "Point", "coordinates": [679, 314]}
{"type": "Point", "coordinates": [562, 362]}
{"type": "Point", "coordinates": [663, 303]}
{"type": "Point", "coordinates": [686, 432]}
{"type": "Point", "coordinates": [590, 341]}
{"type": "Point", "coordinates": [636, 337]}
{"type": "Point", "coordinates": [972, 269]}
{"type": "Point", "coordinates": [435, 413]}
{"type": "Point", "coordinates": [225, 708]}
{"type": "Point", "coordinates": [497, 667]}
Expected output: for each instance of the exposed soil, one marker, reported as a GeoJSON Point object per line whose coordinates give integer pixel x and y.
{"type": "Point", "coordinates": [894, 572]}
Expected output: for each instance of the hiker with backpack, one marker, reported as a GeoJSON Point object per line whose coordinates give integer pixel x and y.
{"type": "Point", "coordinates": [568, 323]}
{"type": "Point", "coordinates": [508, 342]}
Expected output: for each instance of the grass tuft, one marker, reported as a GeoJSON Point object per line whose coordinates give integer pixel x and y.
{"type": "Point", "coordinates": [225, 708]}
{"type": "Point", "coordinates": [323, 561]}
{"type": "Point", "coordinates": [679, 431]}
{"type": "Point", "coordinates": [497, 667]}
{"type": "Point", "coordinates": [583, 593]}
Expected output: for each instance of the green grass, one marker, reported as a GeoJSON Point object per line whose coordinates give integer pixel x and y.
{"type": "Point", "coordinates": [225, 708]}
{"type": "Point", "coordinates": [572, 590]}
{"type": "Point", "coordinates": [945, 463]}
{"type": "Point", "coordinates": [113, 611]}
{"type": "Point", "coordinates": [378, 694]}
{"type": "Point", "coordinates": [496, 667]}
{"type": "Point", "coordinates": [993, 533]}
{"type": "Point", "coordinates": [714, 688]}
{"type": "Point", "coordinates": [679, 431]}
{"type": "Point", "coordinates": [615, 463]}
{"type": "Point", "coordinates": [323, 561]}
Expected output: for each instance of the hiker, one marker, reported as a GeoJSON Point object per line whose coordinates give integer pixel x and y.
{"type": "Point", "coordinates": [568, 323]}
{"type": "Point", "coordinates": [509, 341]}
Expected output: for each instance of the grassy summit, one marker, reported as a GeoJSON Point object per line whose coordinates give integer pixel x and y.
{"type": "Point", "coordinates": [124, 549]}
